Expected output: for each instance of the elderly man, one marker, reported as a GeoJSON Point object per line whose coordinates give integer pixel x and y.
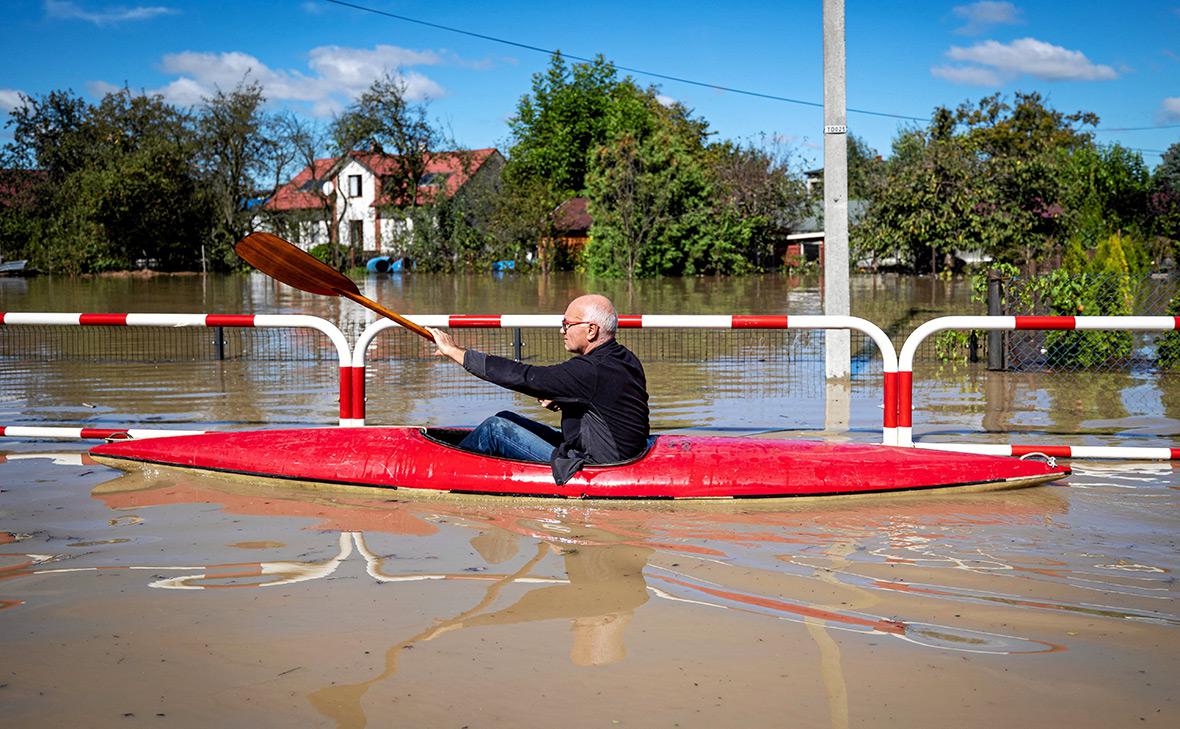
{"type": "Point", "coordinates": [601, 393]}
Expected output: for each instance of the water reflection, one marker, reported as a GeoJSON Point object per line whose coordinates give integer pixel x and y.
{"type": "Point", "coordinates": [612, 557]}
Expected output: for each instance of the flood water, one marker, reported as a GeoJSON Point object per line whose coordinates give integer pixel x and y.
{"type": "Point", "coordinates": [166, 599]}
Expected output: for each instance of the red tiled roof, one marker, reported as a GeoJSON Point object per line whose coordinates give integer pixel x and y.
{"type": "Point", "coordinates": [451, 170]}
{"type": "Point", "coordinates": [18, 188]}
{"type": "Point", "coordinates": [572, 216]}
{"type": "Point", "coordinates": [293, 196]}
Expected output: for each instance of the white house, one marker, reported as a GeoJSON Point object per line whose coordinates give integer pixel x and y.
{"type": "Point", "coordinates": [350, 191]}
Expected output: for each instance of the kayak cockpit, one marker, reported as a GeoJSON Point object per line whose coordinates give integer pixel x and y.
{"type": "Point", "coordinates": [452, 437]}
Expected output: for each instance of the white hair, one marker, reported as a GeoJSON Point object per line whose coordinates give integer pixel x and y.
{"type": "Point", "coordinates": [601, 311]}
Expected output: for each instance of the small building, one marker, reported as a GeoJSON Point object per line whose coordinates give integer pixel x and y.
{"type": "Point", "coordinates": [806, 243]}
{"type": "Point", "coordinates": [358, 193]}
{"type": "Point", "coordinates": [570, 223]}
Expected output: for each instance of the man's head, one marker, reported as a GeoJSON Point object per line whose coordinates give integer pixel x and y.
{"type": "Point", "coordinates": [590, 321]}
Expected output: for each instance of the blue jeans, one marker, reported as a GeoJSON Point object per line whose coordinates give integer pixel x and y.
{"type": "Point", "coordinates": [513, 436]}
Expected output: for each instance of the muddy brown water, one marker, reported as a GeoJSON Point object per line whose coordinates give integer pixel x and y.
{"type": "Point", "coordinates": [160, 598]}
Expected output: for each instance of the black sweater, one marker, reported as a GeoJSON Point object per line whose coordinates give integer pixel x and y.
{"type": "Point", "coordinates": [603, 399]}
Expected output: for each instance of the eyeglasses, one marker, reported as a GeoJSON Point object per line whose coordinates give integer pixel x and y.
{"type": "Point", "coordinates": [565, 325]}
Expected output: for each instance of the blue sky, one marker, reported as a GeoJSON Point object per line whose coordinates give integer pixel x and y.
{"type": "Point", "coordinates": [904, 58]}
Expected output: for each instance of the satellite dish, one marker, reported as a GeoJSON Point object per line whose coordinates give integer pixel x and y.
{"type": "Point", "coordinates": [328, 188]}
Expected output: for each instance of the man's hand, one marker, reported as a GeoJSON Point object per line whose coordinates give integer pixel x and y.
{"type": "Point", "coordinates": [549, 405]}
{"type": "Point", "coordinates": [446, 345]}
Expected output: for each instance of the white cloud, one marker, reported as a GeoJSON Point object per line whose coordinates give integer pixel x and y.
{"type": "Point", "coordinates": [63, 10]}
{"type": "Point", "coordinates": [973, 75]}
{"type": "Point", "coordinates": [1170, 110]}
{"type": "Point", "coordinates": [10, 99]}
{"type": "Point", "coordinates": [1026, 56]}
{"type": "Point", "coordinates": [666, 101]}
{"type": "Point", "coordinates": [981, 16]}
{"type": "Point", "coordinates": [337, 75]}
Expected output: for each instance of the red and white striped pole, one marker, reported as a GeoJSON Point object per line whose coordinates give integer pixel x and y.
{"type": "Point", "coordinates": [1013, 323]}
{"type": "Point", "coordinates": [652, 321]}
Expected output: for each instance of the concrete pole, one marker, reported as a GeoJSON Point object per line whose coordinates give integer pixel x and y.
{"type": "Point", "coordinates": [836, 297]}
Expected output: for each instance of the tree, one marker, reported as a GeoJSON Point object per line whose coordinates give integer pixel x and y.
{"type": "Point", "coordinates": [115, 182]}
{"type": "Point", "coordinates": [990, 176]}
{"type": "Point", "coordinates": [49, 133]}
{"type": "Point", "coordinates": [1164, 199]}
{"type": "Point", "coordinates": [652, 196]}
{"type": "Point", "coordinates": [236, 146]}
{"type": "Point", "coordinates": [757, 189]}
{"type": "Point", "coordinates": [559, 126]}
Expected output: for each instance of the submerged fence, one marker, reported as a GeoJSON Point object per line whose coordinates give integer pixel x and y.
{"type": "Point", "coordinates": [507, 333]}
{"type": "Point", "coordinates": [1104, 324]}
{"type": "Point", "coordinates": [1087, 295]}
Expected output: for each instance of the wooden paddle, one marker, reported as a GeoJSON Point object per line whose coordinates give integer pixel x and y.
{"type": "Point", "coordinates": [284, 262]}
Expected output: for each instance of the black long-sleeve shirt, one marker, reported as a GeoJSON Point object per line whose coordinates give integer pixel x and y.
{"type": "Point", "coordinates": [603, 399]}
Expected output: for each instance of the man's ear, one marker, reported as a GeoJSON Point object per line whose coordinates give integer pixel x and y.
{"type": "Point", "coordinates": [593, 332]}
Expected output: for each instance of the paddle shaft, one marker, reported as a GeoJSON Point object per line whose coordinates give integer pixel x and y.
{"type": "Point", "coordinates": [370, 304]}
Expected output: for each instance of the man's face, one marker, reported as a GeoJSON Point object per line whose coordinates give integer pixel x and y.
{"type": "Point", "coordinates": [578, 335]}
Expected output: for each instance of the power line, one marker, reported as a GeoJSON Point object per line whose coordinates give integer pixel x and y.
{"type": "Point", "coordinates": [679, 79]}
{"type": "Point", "coordinates": [653, 74]}
{"type": "Point", "coordinates": [1138, 129]}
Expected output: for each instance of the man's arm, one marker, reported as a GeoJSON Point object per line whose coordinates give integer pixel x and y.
{"type": "Point", "coordinates": [570, 380]}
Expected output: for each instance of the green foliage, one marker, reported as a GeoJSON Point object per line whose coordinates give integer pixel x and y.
{"type": "Point", "coordinates": [1168, 352]}
{"type": "Point", "coordinates": [233, 151]}
{"type": "Point", "coordinates": [557, 128]}
{"type": "Point", "coordinates": [324, 252]}
{"type": "Point", "coordinates": [1164, 203]}
{"type": "Point", "coordinates": [649, 193]}
{"type": "Point", "coordinates": [1167, 176]}
{"type": "Point", "coordinates": [1019, 182]}
{"type": "Point", "coordinates": [1103, 289]}
{"type": "Point", "coordinates": [119, 185]}
{"type": "Point", "coordinates": [663, 201]}
{"type": "Point", "coordinates": [953, 345]}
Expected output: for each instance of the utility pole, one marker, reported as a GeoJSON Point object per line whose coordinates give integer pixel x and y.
{"type": "Point", "coordinates": [837, 352]}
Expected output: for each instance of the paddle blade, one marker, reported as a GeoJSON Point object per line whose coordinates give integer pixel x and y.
{"type": "Point", "coordinates": [284, 262]}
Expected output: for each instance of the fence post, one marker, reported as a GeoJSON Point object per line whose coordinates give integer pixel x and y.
{"type": "Point", "coordinates": [220, 343]}
{"type": "Point", "coordinates": [516, 343]}
{"type": "Point", "coordinates": [997, 350]}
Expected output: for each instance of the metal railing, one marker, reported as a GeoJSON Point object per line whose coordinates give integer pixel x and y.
{"type": "Point", "coordinates": [1015, 323]}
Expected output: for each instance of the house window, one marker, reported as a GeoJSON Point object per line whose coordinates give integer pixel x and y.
{"type": "Point", "coordinates": [354, 185]}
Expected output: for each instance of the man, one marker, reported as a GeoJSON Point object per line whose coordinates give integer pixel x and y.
{"type": "Point", "coordinates": [601, 393]}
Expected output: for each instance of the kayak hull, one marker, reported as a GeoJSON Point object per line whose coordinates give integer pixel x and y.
{"type": "Point", "coordinates": [675, 467]}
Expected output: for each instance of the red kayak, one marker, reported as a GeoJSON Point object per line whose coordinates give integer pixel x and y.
{"type": "Point", "coordinates": [675, 467]}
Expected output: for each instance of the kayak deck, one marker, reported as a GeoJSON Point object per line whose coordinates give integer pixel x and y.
{"type": "Point", "coordinates": [675, 467]}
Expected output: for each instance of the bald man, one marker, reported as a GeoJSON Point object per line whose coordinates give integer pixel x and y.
{"type": "Point", "coordinates": [601, 393]}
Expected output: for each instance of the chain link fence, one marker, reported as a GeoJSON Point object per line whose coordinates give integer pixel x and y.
{"type": "Point", "coordinates": [1092, 295]}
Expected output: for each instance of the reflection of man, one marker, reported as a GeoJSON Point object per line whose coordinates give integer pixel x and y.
{"type": "Point", "coordinates": [606, 585]}
{"type": "Point", "coordinates": [601, 393]}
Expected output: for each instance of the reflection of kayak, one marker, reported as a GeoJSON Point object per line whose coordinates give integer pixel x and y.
{"type": "Point", "coordinates": [674, 467]}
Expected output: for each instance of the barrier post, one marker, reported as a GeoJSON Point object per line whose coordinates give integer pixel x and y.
{"type": "Point", "coordinates": [997, 350]}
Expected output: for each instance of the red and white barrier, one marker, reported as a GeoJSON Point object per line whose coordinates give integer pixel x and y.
{"type": "Point", "coordinates": [25, 431]}
{"type": "Point", "coordinates": [647, 321]}
{"type": "Point", "coordinates": [296, 321]}
{"type": "Point", "coordinates": [1013, 323]}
